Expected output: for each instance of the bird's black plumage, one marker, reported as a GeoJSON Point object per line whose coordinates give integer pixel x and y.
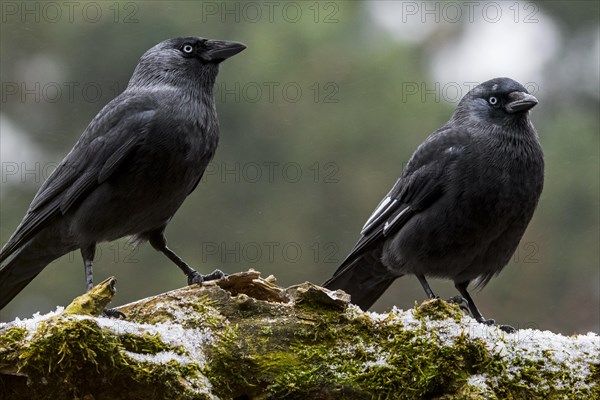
{"type": "Point", "coordinates": [461, 205]}
{"type": "Point", "coordinates": [132, 168]}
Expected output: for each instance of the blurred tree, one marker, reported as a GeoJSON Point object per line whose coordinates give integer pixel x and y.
{"type": "Point", "coordinates": [315, 129]}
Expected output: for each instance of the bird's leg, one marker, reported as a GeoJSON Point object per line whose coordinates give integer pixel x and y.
{"type": "Point", "coordinates": [426, 287]}
{"type": "Point", "coordinates": [88, 253]}
{"type": "Point", "coordinates": [159, 242]}
{"type": "Point", "coordinates": [462, 289]}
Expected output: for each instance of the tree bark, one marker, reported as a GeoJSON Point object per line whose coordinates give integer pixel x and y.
{"type": "Point", "coordinates": [243, 337]}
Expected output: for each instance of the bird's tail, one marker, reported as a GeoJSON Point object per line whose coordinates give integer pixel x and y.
{"type": "Point", "coordinates": [25, 264]}
{"type": "Point", "coordinates": [364, 279]}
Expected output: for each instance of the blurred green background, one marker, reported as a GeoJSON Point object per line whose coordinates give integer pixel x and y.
{"type": "Point", "coordinates": [318, 117]}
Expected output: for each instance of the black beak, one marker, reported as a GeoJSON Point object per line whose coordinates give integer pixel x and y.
{"type": "Point", "coordinates": [520, 102]}
{"type": "Point", "coordinates": [219, 50]}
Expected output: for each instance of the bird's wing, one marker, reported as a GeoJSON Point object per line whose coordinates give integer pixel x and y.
{"type": "Point", "coordinates": [196, 184]}
{"type": "Point", "coordinates": [421, 185]}
{"type": "Point", "coordinates": [104, 146]}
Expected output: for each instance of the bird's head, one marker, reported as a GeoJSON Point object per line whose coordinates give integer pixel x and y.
{"type": "Point", "coordinates": [495, 101]}
{"type": "Point", "coordinates": [183, 59]}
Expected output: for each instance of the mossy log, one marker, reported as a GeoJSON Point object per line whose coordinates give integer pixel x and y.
{"type": "Point", "coordinates": [243, 337]}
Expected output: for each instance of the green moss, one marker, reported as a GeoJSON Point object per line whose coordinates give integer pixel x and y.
{"type": "Point", "coordinates": [346, 355]}
{"type": "Point", "coordinates": [329, 352]}
{"type": "Point", "coordinates": [227, 369]}
{"type": "Point", "coordinates": [93, 362]}
{"type": "Point", "coordinates": [12, 335]}
{"type": "Point", "coordinates": [204, 311]}
{"type": "Point", "coordinates": [416, 366]}
{"type": "Point", "coordinates": [438, 309]}
{"type": "Point", "coordinates": [273, 350]}
{"type": "Point", "coordinates": [10, 341]}
{"type": "Point", "coordinates": [201, 311]}
{"type": "Point", "coordinates": [146, 344]}
{"type": "Point", "coordinates": [594, 379]}
{"type": "Point", "coordinates": [94, 301]}
{"type": "Point", "coordinates": [57, 348]}
{"type": "Point", "coordinates": [540, 375]}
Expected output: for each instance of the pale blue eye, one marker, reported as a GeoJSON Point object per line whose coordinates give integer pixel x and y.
{"type": "Point", "coordinates": [187, 48]}
{"type": "Point", "coordinates": [493, 101]}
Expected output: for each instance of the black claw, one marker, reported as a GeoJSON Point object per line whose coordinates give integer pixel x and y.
{"type": "Point", "coordinates": [196, 277]}
{"type": "Point", "coordinates": [114, 313]}
{"type": "Point", "coordinates": [216, 274]}
{"type": "Point", "coordinates": [456, 299]}
{"type": "Point", "coordinates": [491, 322]}
{"type": "Point", "coordinates": [507, 328]}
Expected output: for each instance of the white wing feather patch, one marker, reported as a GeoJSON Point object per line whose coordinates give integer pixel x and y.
{"type": "Point", "coordinates": [390, 224]}
{"type": "Point", "coordinates": [379, 212]}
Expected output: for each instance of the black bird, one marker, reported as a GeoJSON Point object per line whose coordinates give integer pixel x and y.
{"type": "Point", "coordinates": [131, 169]}
{"type": "Point", "coordinates": [462, 202]}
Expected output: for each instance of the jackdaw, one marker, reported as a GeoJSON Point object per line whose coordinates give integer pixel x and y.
{"type": "Point", "coordinates": [131, 169]}
{"type": "Point", "coordinates": [461, 205]}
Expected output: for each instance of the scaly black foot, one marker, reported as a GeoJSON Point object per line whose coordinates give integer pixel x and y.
{"type": "Point", "coordinates": [507, 328]}
{"type": "Point", "coordinates": [216, 274]}
{"type": "Point", "coordinates": [196, 277]}
{"type": "Point", "coordinates": [491, 322]}
{"type": "Point", "coordinates": [462, 289]}
{"type": "Point", "coordinates": [113, 313]}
